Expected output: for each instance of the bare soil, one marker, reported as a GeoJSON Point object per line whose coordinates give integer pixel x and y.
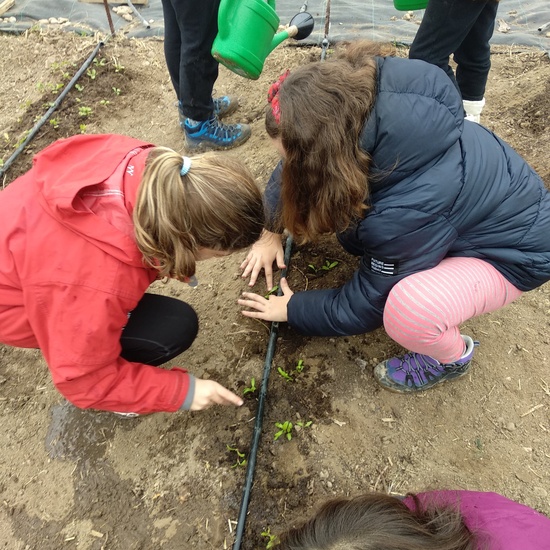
{"type": "Point", "coordinates": [88, 480]}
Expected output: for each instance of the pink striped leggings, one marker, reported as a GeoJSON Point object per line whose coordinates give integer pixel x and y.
{"type": "Point", "coordinates": [424, 310]}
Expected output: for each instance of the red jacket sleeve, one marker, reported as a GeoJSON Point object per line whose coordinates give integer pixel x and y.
{"type": "Point", "coordinates": [78, 329]}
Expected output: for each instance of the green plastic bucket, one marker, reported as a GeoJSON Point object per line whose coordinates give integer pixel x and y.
{"type": "Point", "coordinates": [410, 5]}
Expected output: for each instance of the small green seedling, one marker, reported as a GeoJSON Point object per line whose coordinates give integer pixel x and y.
{"type": "Point", "coordinates": [241, 460]}
{"type": "Point", "coordinates": [82, 128]}
{"type": "Point", "coordinates": [118, 67]}
{"type": "Point", "coordinates": [54, 123]}
{"type": "Point", "coordinates": [285, 374]}
{"type": "Point", "coordinates": [92, 73]}
{"type": "Point", "coordinates": [84, 111]}
{"type": "Point", "coordinates": [272, 291]}
{"type": "Point", "coordinates": [329, 265]}
{"type": "Point", "coordinates": [117, 91]}
{"type": "Point", "coordinates": [100, 62]}
{"type": "Point", "coordinates": [285, 428]}
{"type": "Point", "coordinates": [79, 87]}
{"type": "Point", "coordinates": [104, 102]}
{"type": "Point", "coordinates": [251, 388]}
{"type": "Point", "coordinates": [303, 424]}
{"type": "Point", "coordinates": [272, 540]}
{"type": "Point", "coordinates": [300, 366]}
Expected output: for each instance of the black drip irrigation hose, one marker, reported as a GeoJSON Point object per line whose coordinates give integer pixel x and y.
{"type": "Point", "coordinates": [251, 463]}
{"type": "Point", "coordinates": [49, 112]}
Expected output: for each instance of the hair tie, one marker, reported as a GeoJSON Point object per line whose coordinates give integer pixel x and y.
{"type": "Point", "coordinates": [273, 96]}
{"type": "Point", "coordinates": [186, 166]}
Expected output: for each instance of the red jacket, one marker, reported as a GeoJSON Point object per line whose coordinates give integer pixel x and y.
{"type": "Point", "coordinates": [70, 272]}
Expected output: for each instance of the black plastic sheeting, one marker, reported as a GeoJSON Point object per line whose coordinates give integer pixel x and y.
{"type": "Point", "coordinates": [349, 19]}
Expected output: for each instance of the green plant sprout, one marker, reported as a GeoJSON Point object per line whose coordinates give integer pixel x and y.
{"type": "Point", "coordinates": [305, 424]}
{"type": "Point", "coordinates": [104, 102]}
{"type": "Point", "coordinates": [241, 460]}
{"type": "Point", "coordinates": [300, 366]}
{"type": "Point", "coordinates": [82, 128]}
{"type": "Point", "coordinates": [54, 123]}
{"type": "Point", "coordinates": [327, 266]}
{"type": "Point", "coordinates": [79, 87]}
{"type": "Point", "coordinates": [84, 111]}
{"type": "Point", "coordinates": [92, 73]}
{"type": "Point", "coordinates": [118, 67]}
{"type": "Point", "coordinates": [117, 91]}
{"type": "Point", "coordinates": [285, 374]}
{"type": "Point", "coordinates": [272, 539]}
{"type": "Point", "coordinates": [285, 428]}
{"type": "Point", "coordinates": [272, 291]}
{"type": "Point", "coordinates": [100, 62]}
{"type": "Point", "coordinates": [251, 388]}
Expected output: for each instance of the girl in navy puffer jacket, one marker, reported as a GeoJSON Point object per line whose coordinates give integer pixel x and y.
{"type": "Point", "coordinates": [450, 221]}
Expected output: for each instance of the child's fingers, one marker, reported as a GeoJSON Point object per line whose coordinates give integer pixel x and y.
{"type": "Point", "coordinates": [253, 301]}
{"type": "Point", "coordinates": [226, 397]}
{"type": "Point", "coordinates": [284, 285]}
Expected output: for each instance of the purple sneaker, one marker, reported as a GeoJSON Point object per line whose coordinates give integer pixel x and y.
{"type": "Point", "coordinates": [415, 372]}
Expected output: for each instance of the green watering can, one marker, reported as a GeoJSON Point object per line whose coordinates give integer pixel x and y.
{"type": "Point", "coordinates": [247, 34]}
{"type": "Point", "coordinates": [407, 5]}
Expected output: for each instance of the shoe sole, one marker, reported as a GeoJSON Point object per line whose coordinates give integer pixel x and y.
{"type": "Point", "coordinates": [380, 373]}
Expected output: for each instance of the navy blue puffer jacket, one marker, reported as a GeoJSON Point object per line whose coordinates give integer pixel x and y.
{"type": "Point", "coordinates": [440, 186]}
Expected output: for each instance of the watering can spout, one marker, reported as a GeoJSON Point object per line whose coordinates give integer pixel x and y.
{"type": "Point", "coordinates": [280, 37]}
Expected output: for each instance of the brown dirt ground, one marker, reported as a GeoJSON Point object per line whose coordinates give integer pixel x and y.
{"type": "Point", "coordinates": [89, 481]}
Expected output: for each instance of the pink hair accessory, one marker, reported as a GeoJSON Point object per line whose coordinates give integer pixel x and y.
{"type": "Point", "coordinates": [273, 96]}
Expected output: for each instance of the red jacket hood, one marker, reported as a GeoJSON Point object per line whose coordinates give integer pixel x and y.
{"type": "Point", "coordinates": [72, 179]}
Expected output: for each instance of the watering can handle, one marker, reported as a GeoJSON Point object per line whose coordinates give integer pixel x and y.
{"type": "Point", "coordinates": [223, 15]}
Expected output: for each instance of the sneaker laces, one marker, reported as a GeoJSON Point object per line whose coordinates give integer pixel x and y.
{"type": "Point", "coordinates": [219, 130]}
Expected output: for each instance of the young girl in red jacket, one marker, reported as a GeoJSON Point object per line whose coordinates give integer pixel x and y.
{"type": "Point", "coordinates": [436, 520]}
{"type": "Point", "coordinates": [85, 232]}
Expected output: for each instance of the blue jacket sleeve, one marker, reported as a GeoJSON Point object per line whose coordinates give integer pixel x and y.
{"type": "Point", "coordinates": [421, 242]}
{"type": "Point", "coordinates": [272, 199]}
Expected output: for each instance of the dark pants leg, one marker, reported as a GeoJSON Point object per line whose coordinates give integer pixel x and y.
{"type": "Point", "coordinates": [462, 28]}
{"type": "Point", "coordinates": [158, 329]}
{"type": "Point", "coordinates": [190, 28]}
{"type": "Point", "coordinates": [473, 57]}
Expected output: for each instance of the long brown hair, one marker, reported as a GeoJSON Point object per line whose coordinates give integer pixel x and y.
{"type": "Point", "coordinates": [380, 522]}
{"type": "Point", "coordinates": [323, 108]}
{"type": "Point", "coordinates": [216, 205]}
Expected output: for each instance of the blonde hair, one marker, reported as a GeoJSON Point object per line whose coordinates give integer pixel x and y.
{"type": "Point", "coordinates": [216, 205]}
{"type": "Point", "coordinates": [323, 108]}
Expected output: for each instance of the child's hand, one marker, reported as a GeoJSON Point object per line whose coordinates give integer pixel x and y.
{"type": "Point", "coordinates": [267, 249]}
{"type": "Point", "coordinates": [273, 308]}
{"type": "Point", "coordinates": [208, 393]}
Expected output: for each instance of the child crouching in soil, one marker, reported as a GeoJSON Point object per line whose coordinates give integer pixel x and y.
{"type": "Point", "coordinates": [85, 232]}
{"type": "Point", "coordinates": [449, 221]}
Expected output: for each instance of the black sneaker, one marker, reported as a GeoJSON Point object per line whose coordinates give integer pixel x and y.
{"type": "Point", "coordinates": [212, 134]}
